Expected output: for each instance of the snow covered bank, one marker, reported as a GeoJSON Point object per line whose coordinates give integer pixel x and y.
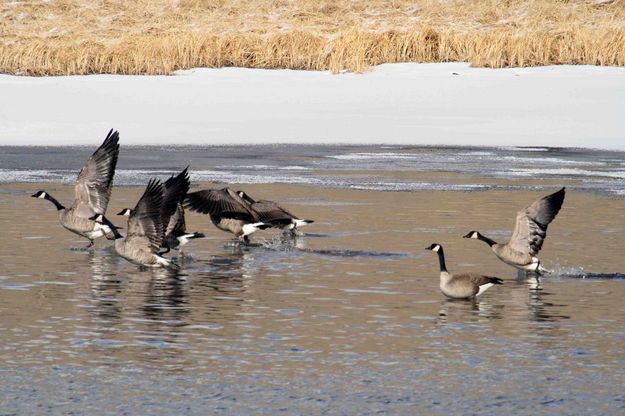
{"type": "Point", "coordinates": [431, 104]}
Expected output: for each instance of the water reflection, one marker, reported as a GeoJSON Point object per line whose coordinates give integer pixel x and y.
{"type": "Point", "coordinates": [166, 300]}
{"type": "Point", "coordinates": [106, 287]}
{"type": "Point", "coordinates": [468, 310]}
{"type": "Point", "coordinates": [540, 309]}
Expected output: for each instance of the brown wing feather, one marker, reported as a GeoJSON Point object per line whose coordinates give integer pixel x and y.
{"type": "Point", "coordinates": [220, 202]}
{"type": "Point", "coordinates": [530, 229]}
{"type": "Point", "coordinates": [145, 219]}
{"type": "Point", "coordinates": [94, 183]}
{"type": "Point", "coordinates": [272, 212]}
{"type": "Point", "coordinates": [176, 221]}
{"type": "Point", "coordinates": [174, 191]}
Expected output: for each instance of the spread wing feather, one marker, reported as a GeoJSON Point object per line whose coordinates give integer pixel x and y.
{"type": "Point", "coordinates": [93, 186]}
{"type": "Point", "coordinates": [174, 191]}
{"type": "Point", "coordinates": [271, 212]}
{"type": "Point", "coordinates": [530, 229]}
{"type": "Point", "coordinates": [221, 202]}
{"type": "Point", "coordinates": [145, 219]}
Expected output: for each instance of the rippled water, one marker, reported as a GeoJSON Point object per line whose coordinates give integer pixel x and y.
{"type": "Point", "coordinates": [382, 168]}
{"type": "Point", "coordinates": [345, 320]}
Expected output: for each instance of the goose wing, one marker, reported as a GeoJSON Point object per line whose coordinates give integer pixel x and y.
{"type": "Point", "coordinates": [221, 202]}
{"type": "Point", "coordinates": [530, 229]}
{"type": "Point", "coordinates": [93, 186]}
{"type": "Point", "coordinates": [480, 280]}
{"type": "Point", "coordinates": [176, 221]}
{"type": "Point", "coordinates": [270, 211]}
{"type": "Point", "coordinates": [174, 191]}
{"type": "Point", "coordinates": [145, 220]}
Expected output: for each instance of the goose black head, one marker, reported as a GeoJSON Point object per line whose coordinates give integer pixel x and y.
{"type": "Point", "coordinates": [472, 234]}
{"type": "Point", "coordinates": [434, 247]}
{"type": "Point", "coordinates": [125, 211]}
{"type": "Point", "coordinates": [39, 194]}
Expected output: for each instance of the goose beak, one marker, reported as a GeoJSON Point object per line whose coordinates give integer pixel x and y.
{"type": "Point", "coordinates": [467, 236]}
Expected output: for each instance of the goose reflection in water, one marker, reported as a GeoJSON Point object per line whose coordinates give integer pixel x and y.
{"type": "Point", "coordinates": [106, 287]}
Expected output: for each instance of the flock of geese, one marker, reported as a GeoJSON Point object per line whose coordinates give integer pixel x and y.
{"type": "Point", "coordinates": [156, 224]}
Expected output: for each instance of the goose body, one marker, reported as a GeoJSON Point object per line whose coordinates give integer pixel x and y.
{"type": "Point", "coordinates": [146, 229]}
{"type": "Point", "coordinates": [272, 213]}
{"type": "Point", "coordinates": [227, 210]}
{"type": "Point", "coordinates": [461, 286]}
{"type": "Point", "coordinates": [530, 232]}
{"type": "Point", "coordinates": [176, 235]}
{"type": "Point", "coordinates": [91, 192]}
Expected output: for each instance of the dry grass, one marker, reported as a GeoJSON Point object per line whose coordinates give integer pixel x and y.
{"type": "Point", "coordinates": [160, 36]}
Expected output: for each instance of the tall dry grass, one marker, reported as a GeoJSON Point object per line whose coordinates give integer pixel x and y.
{"type": "Point", "coordinates": [55, 37]}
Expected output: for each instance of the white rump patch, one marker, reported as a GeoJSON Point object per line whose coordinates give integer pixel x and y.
{"type": "Point", "coordinates": [251, 228]}
{"type": "Point", "coordinates": [484, 288]}
{"type": "Point", "coordinates": [300, 223]}
{"type": "Point", "coordinates": [161, 261]}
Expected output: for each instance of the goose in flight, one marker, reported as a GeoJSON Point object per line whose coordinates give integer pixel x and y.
{"type": "Point", "coordinates": [530, 231]}
{"type": "Point", "coordinates": [461, 286]}
{"type": "Point", "coordinates": [272, 213]}
{"type": "Point", "coordinates": [176, 235]}
{"type": "Point", "coordinates": [91, 192]}
{"type": "Point", "coordinates": [227, 210]}
{"type": "Point", "coordinates": [147, 221]}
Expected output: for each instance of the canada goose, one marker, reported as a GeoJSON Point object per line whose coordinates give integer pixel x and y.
{"type": "Point", "coordinates": [146, 230]}
{"type": "Point", "coordinates": [175, 232]}
{"type": "Point", "coordinates": [91, 192]}
{"type": "Point", "coordinates": [461, 286]}
{"type": "Point", "coordinates": [272, 213]}
{"type": "Point", "coordinates": [227, 210]}
{"type": "Point", "coordinates": [530, 231]}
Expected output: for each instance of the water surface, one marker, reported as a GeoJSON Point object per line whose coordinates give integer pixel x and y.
{"type": "Point", "coordinates": [345, 320]}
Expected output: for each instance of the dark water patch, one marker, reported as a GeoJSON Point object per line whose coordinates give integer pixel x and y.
{"type": "Point", "coordinates": [591, 275]}
{"type": "Point", "coordinates": [349, 167]}
{"type": "Point", "coordinates": [354, 253]}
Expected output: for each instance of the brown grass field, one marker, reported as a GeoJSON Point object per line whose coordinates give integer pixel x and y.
{"type": "Point", "coordinates": [58, 37]}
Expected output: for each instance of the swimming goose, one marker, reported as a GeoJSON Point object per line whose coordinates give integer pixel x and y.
{"type": "Point", "coordinates": [530, 231]}
{"type": "Point", "coordinates": [461, 286]}
{"type": "Point", "coordinates": [91, 192]}
{"type": "Point", "coordinates": [272, 213]}
{"type": "Point", "coordinates": [146, 230]}
{"type": "Point", "coordinates": [227, 210]}
{"type": "Point", "coordinates": [176, 235]}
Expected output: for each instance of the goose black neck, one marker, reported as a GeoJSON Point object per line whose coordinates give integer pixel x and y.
{"type": "Point", "coordinates": [116, 233]}
{"type": "Point", "coordinates": [441, 259]}
{"type": "Point", "coordinates": [486, 240]}
{"type": "Point", "coordinates": [113, 228]}
{"type": "Point", "coordinates": [56, 203]}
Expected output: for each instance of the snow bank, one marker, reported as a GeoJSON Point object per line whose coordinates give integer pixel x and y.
{"type": "Point", "coordinates": [433, 104]}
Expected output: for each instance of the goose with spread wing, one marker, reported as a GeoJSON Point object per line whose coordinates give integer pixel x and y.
{"type": "Point", "coordinates": [91, 192]}
{"type": "Point", "coordinates": [227, 210]}
{"type": "Point", "coordinates": [176, 235]}
{"type": "Point", "coordinates": [146, 223]}
{"type": "Point", "coordinates": [530, 231]}
{"type": "Point", "coordinates": [272, 213]}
